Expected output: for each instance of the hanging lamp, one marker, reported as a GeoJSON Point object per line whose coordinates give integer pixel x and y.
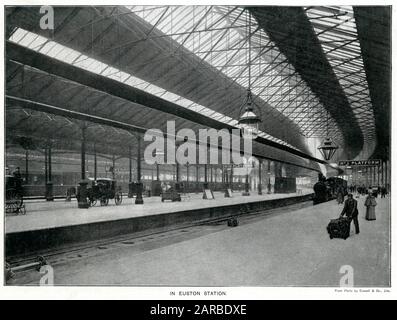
{"type": "Point", "coordinates": [249, 121]}
{"type": "Point", "coordinates": [327, 148]}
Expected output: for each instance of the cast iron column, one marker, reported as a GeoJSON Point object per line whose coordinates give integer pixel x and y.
{"type": "Point", "coordinates": [82, 194]}
{"type": "Point", "coordinates": [26, 166]}
{"type": "Point", "coordinates": [83, 155]}
{"type": "Point", "coordinates": [205, 176]}
{"type": "Point", "coordinates": [130, 183]}
{"type": "Point", "coordinates": [197, 178]}
{"type": "Point", "coordinates": [246, 186]}
{"type": "Point", "coordinates": [354, 178]}
{"type": "Point", "coordinates": [231, 177]}
{"type": "Point", "coordinates": [177, 173]}
{"type": "Point", "coordinates": [95, 164]}
{"type": "Point", "coordinates": [113, 166]}
{"type": "Point", "coordinates": [139, 199]}
{"type": "Point", "coordinates": [45, 171]}
{"type": "Point", "coordinates": [187, 176]}
{"type": "Point", "coordinates": [211, 178]}
{"type": "Point", "coordinates": [49, 193]}
{"type": "Point", "coordinates": [260, 177]}
{"type": "Point", "coordinates": [269, 185]}
{"type": "Point", "coordinates": [383, 176]}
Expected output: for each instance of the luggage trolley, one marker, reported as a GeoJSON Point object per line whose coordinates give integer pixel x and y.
{"type": "Point", "coordinates": [14, 196]}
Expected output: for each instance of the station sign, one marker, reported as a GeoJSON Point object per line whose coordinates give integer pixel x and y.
{"type": "Point", "coordinates": [372, 162]}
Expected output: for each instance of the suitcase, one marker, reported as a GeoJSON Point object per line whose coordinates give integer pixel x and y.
{"type": "Point", "coordinates": [232, 222]}
{"type": "Point", "coordinates": [339, 228]}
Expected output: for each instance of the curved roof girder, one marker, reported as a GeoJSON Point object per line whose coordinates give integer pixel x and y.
{"type": "Point", "coordinates": [210, 87]}
{"type": "Point", "coordinates": [39, 61]}
{"type": "Point", "coordinates": [290, 29]}
{"type": "Point", "coordinates": [374, 31]}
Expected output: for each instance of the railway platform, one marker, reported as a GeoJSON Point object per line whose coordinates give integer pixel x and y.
{"type": "Point", "coordinates": [290, 247]}
{"type": "Point", "coordinates": [51, 224]}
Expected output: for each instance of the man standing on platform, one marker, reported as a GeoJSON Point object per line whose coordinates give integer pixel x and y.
{"type": "Point", "coordinates": [351, 211]}
{"type": "Point", "coordinates": [17, 173]}
{"type": "Point", "coordinates": [383, 192]}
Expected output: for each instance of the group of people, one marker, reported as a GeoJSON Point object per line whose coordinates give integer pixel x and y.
{"type": "Point", "coordinates": [363, 190]}
{"type": "Point", "coordinates": [350, 209]}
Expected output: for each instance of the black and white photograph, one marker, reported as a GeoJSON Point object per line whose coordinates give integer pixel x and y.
{"type": "Point", "coordinates": [197, 146]}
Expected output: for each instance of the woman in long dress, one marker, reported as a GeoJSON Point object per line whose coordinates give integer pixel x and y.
{"type": "Point", "coordinates": [370, 203]}
{"type": "Point", "coordinates": [339, 196]}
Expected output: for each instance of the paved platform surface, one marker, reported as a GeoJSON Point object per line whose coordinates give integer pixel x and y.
{"type": "Point", "coordinates": [291, 248]}
{"type": "Point", "coordinates": [43, 215]}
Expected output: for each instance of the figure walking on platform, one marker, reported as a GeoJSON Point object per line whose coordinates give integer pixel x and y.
{"type": "Point", "coordinates": [351, 211]}
{"type": "Point", "coordinates": [383, 192]}
{"type": "Point", "coordinates": [370, 203]}
{"type": "Point", "coordinates": [340, 196]}
{"type": "Point", "coordinates": [17, 173]}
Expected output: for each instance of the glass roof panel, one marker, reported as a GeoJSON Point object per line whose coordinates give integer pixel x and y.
{"type": "Point", "coordinates": [218, 35]}
{"type": "Point", "coordinates": [344, 55]}
{"type": "Point", "coordinates": [52, 49]}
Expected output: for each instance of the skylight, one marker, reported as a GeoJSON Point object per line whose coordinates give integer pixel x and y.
{"type": "Point", "coordinates": [60, 52]}
{"type": "Point", "coordinates": [336, 29]}
{"type": "Point", "coordinates": [218, 36]}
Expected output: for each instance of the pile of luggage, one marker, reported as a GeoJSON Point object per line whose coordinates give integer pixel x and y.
{"type": "Point", "coordinates": [339, 228]}
{"type": "Point", "coordinates": [232, 222]}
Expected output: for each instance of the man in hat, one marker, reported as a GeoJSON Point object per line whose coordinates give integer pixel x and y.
{"type": "Point", "coordinates": [351, 211]}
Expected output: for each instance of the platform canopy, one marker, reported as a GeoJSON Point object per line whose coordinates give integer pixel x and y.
{"type": "Point", "coordinates": [144, 65]}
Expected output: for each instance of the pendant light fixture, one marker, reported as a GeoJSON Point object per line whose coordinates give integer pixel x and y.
{"type": "Point", "coordinates": [248, 120]}
{"type": "Point", "coordinates": [327, 147]}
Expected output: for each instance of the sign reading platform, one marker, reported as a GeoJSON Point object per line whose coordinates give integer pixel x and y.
{"type": "Point", "coordinates": [373, 162]}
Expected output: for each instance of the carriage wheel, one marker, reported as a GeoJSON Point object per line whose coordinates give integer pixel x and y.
{"type": "Point", "coordinates": [118, 198]}
{"type": "Point", "coordinates": [19, 200]}
{"type": "Point", "coordinates": [22, 210]}
{"type": "Point", "coordinates": [15, 208]}
{"type": "Point", "coordinates": [14, 201]}
{"type": "Point", "coordinates": [92, 202]}
{"type": "Point", "coordinates": [10, 207]}
{"type": "Point", "coordinates": [104, 201]}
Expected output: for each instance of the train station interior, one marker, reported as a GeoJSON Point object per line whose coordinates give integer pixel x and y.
{"type": "Point", "coordinates": [197, 145]}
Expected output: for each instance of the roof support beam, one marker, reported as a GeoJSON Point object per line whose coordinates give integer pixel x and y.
{"type": "Point", "coordinates": [61, 69]}
{"type": "Point", "coordinates": [305, 55]}
{"type": "Point", "coordinates": [28, 104]}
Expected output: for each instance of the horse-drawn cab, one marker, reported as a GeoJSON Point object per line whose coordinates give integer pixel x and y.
{"type": "Point", "coordinates": [171, 192]}
{"type": "Point", "coordinates": [103, 189]}
{"type": "Point", "coordinates": [14, 195]}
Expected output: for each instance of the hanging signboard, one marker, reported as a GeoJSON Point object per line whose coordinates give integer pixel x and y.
{"type": "Point", "coordinates": [372, 162]}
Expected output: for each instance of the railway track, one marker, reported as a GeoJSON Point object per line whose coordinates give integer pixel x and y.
{"type": "Point", "coordinates": [54, 256]}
